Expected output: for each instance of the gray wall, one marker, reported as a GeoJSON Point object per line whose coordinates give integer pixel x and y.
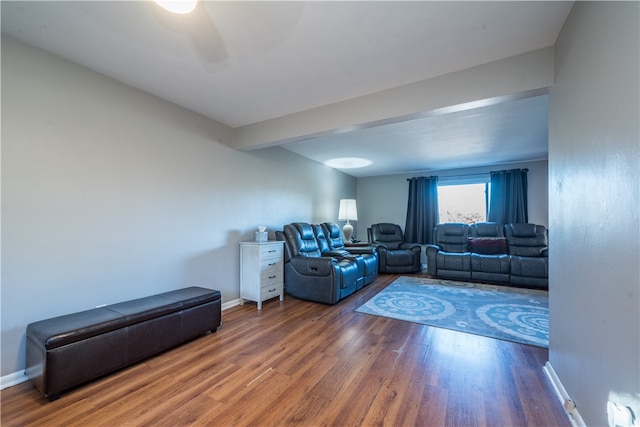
{"type": "Point", "coordinates": [594, 175]}
{"type": "Point", "coordinates": [530, 71]}
{"type": "Point", "coordinates": [109, 194]}
{"type": "Point", "coordinates": [384, 198]}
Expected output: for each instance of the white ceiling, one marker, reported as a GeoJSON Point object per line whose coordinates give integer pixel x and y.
{"type": "Point", "coordinates": [245, 62]}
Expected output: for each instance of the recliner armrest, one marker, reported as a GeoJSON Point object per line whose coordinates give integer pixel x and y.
{"type": "Point", "coordinates": [412, 246]}
{"type": "Point", "coordinates": [432, 251]}
{"type": "Point", "coordinates": [307, 266]}
{"type": "Point", "coordinates": [360, 250]}
{"type": "Point", "coordinates": [432, 247]}
{"type": "Point", "coordinates": [334, 253]}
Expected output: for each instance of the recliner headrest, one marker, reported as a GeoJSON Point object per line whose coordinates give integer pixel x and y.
{"type": "Point", "coordinates": [387, 228]}
{"type": "Point", "coordinates": [455, 229]}
{"type": "Point", "coordinates": [487, 229]}
{"type": "Point", "coordinates": [305, 230]}
{"type": "Point", "coordinates": [333, 229]}
{"type": "Point", "coordinates": [527, 230]}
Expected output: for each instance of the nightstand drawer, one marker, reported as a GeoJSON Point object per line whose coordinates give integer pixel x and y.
{"type": "Point", "coordinates": [273, 290]}
{"type": "Point", "coordinates": [270, 264]}
{"type": "Point", "coordinates": [273, 274]}
{"type": "Point", "coordinates": [271, 252]}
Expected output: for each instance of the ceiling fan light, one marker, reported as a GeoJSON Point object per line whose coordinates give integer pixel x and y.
{"type": "Point", "coordinates": [178, 6]}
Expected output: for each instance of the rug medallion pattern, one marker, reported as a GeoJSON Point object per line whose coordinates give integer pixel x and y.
{"type": "Point", "coordinates": [512, 314]}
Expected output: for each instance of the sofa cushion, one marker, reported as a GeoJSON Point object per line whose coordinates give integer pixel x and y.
{"type": "Point", "coordinates": [488, 245]}
{"type": "Point", "coordinates": [498, 264]}
{"type": "Point", "coordinates": [529, 267]}
{"type": "Point", "coordinates": [400, 257]}
{"type": "Point", "coordinates": [454, 261]}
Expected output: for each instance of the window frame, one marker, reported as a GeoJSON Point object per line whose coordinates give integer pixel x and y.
{"type": "Point", "coordinates": [468, 180]}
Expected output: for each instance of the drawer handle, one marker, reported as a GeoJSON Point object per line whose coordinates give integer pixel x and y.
{"type": "Point", "coordinates": [272, 277]}
{"type": "Point", "coordinates": [272, 290]}
{"type": "Point", "coordinates": [272, 250]}
{"type": "Point", "coordinates": [273, 263]}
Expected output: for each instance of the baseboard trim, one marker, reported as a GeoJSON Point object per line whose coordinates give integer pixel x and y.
{"type": "Point", "coordinates": [567, 403]}
{"type": "Point", "coordinates": [227, 305]}
{"type": "Point", "coordinates": [20, 377]}
{"type": "Point", "coordinates": [13, 379]}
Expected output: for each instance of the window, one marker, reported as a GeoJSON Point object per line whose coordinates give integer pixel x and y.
{"type": "Point", "coordinates": [463, 202]}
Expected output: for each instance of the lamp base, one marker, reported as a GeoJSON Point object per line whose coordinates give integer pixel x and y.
{"type": "Point", "coordinates": [347, 230]}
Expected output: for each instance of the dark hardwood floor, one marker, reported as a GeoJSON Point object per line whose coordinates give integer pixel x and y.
{"type": "Point", "coordinates": [300, 363]}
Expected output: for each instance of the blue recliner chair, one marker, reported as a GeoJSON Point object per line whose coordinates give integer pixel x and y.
{"type": "Point", "coordinates": [394, 254]}
{"type": "Point", "coordinates": [369, 254]}
{"type": "Point", "coordinates": [528, 250]}
{"type": "Point", "coordinates": [449, 254]}
{"type": "Point", "coordinates": [326, 251]}
{"type": "Point", "coordinates": [310, 276]}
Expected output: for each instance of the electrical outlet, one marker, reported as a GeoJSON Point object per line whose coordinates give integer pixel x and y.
{"type": "Point", "coordinates": [569, 405]}
{"type": "Point", "coordinates": [619, 415]}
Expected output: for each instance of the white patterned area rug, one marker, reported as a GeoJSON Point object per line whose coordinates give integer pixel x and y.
{"type": "Point", "coordinates": [512, 314]}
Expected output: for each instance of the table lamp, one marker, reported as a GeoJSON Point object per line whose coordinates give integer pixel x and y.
{"type": "Point", "coordinates": [347, 212]}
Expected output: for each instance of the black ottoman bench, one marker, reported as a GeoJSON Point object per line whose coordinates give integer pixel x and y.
{"type": "Point", "coordinates": [65, 351]}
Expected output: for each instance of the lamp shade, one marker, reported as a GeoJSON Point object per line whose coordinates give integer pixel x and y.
{"type": "Point", "coordinates": [348, 210]}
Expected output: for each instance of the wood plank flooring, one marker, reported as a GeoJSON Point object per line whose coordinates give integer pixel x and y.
{"type": "Point", "coordinates": [306, 364]}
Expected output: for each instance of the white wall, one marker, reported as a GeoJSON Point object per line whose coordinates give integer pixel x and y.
{"type": "Point", "coordinates": [109, 194]}
{"type": "Point", "coordinates": [384, 198]}
{"type": "Point", "coordinates": [594, 197]}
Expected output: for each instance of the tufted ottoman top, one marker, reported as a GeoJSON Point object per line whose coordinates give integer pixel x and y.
{"type": "Point", "coordinates": [58, 331]}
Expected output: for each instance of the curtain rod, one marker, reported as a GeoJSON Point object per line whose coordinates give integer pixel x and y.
{"type": "Point", "coordinates": [452, 176]}
{"type": "Point", "coordinates": [479, 174]}
{"type": "Point", "coordinates": [509, 170]}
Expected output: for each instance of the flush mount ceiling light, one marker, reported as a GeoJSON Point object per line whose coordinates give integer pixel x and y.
{"type": "Point", "coordinates": [348, 163]}
{"type": "Point", "coordinates": [178, 6]}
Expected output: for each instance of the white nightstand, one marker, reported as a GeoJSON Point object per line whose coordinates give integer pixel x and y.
{"type": "Point", "coordinates": [261, 271]}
